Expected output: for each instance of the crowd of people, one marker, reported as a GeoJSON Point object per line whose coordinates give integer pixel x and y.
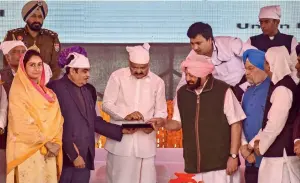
{"type": "Point", "coordinates": [234, 98]}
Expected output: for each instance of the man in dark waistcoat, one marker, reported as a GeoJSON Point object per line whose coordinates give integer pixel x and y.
{"type": "Point", "coordinates": [12, 51]}
{"type": "Point", "coordinates": [269, 19]}
{"type": "Point", "coordinates": [275, 139]}
{"type": "Point", "coordinates": [210, 117]}
{"type": "Point", "coordinates": [297, 122]}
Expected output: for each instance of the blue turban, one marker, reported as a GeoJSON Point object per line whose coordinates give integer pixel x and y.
{"type": "Point", "coordinates": [256, 58]}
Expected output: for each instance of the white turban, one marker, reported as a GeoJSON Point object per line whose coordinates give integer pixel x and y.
{"type": "Point", "coordinates": [6, 46]}
{"type": "Point", "coordinates": [278, 59]}
{"type": "Point", "coordinates": [272, 12]}
{"type": "Point", "coordinates": [79, 61]}
{"type": "Point", "coordinates": [139, 54]}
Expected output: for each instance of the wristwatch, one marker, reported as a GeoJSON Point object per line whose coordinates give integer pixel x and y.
{"type": "Point", "coordinates": [233, 156]}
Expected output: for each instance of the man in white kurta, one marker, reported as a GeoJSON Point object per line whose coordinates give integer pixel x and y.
{"type": "Point", "coordinates": [269, 19]}
{"type": "Point", "coordinates": [198, 67]}
{"type": "Point", "coordinates": [134, 95]}
{"type": "Point", "coordinates": [224, 52]}
{"type": "Point", "coordinates": [284, 168]}
{"type": "Point", "coordinates": [297, 122]}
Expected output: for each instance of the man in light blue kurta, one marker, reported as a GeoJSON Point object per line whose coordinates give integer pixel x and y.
{"type": "Point", "coordinates": [253, 104]}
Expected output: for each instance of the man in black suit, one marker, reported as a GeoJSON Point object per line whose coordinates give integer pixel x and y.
{"type": "Point", "coordinates": [78, 109]}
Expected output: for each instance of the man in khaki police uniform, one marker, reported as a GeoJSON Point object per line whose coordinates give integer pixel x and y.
{"type": "Point", "coordinates": [46, 41]}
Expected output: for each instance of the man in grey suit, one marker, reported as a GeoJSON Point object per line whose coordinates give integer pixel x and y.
{"type": "Point", "coordinates": [78, 109]}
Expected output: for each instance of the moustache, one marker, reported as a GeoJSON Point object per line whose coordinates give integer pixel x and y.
{"type": "Point", "coordinates": [138, 73]}
{"type": "Point", "coordinates": [194, 85]}
{"type": "Point", "coordinates": [36, 23]}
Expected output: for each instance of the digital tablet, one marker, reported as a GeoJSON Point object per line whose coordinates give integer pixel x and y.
{"type": "Point", "coordinates": [137, 125]}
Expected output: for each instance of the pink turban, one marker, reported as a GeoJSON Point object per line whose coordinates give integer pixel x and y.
{"type": "Point", "coordinates": [197, 65]}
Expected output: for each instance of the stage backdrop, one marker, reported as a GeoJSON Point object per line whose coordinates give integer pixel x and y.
{"type": "Point", "coordinates": [105, 28]}
{"type": "Point", "coordinates": [155, 21]}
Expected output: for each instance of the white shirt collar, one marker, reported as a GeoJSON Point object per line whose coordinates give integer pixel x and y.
{"type": "Point", "coordinates": [199, 91]}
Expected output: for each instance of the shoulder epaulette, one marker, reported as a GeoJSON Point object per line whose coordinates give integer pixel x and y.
{"type": "Point", "coordinates": [16, 30]}
{"type": "Point", "coordinates": [49, 32]}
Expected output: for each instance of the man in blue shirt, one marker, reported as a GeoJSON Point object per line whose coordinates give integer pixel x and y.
{"type": "Point", "coordinates": [253, 104]}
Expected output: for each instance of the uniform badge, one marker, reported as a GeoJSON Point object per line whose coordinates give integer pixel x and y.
{"type": "Point", "coordinates": [20, 38]}
{"type": "Point", "coordinates": [56, 47]}
{"type": "Point", "coordinates": [40, 3]}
